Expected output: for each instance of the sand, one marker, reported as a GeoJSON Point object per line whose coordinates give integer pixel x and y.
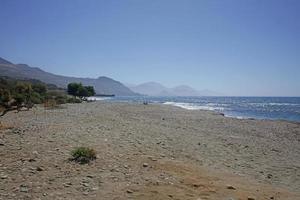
{"type": "Point", "coordinates": [147, 152]}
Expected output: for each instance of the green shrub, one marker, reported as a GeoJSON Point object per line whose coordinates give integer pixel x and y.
{"type": "Point", "coordinates": [39, 88]}
{"type": "Point", "coordinates": [73, 100]}
{"type": "Point", "coordinates": [61, 99]}
{"type": "Point", "coordinates": [58, 96]}
{"type": "Point", "coordinates": [54, 93]}
{"type": "Point", "coordinates": [83, 155]}
{"type": "Point", "coordinates": [20, 98]}
{"type": "Point", "coordinates": [36, 98]}
{"type": "Point", "coordinates": [5, 96]}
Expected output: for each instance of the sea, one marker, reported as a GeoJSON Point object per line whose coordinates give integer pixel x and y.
{"type": "Point", "coordinates": [272, 108]}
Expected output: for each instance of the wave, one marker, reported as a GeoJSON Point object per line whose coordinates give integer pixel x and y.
{"type": "Point", "coordinates": [99, 98]}
{"type": "Point", "coordinates": [191, 106]}
{"type": "Point", "coordinates": [274, 104]}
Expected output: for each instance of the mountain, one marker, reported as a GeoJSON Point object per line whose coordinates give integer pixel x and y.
{"type": "Point", "coordinates": [4, 62]}
{"type": "Point", "coordinates": [102, 85]}
{"type": "Point", "coordinates": [150, 88]}
{"type": "Point", "coordinates": [157, 89]}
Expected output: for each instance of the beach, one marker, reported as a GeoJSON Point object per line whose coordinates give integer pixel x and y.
{"type": "Point", "coordinates": [147, 152]}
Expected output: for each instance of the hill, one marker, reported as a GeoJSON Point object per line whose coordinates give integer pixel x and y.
{"type": "Point", "coordinates": [102, 85]}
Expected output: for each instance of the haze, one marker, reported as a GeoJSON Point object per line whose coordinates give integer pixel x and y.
{"type": "Point", "coordinates": [240, 48]}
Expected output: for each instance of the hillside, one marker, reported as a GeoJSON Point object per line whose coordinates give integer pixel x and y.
{"type": "Point", "coordinates": [102, 85]}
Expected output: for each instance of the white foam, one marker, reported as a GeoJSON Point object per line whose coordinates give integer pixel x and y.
{"type": "Point", "coordinates": [237, 117]}
{"type": "Point", "coordinates": [98, 98]}
{"type": "Point", "coordinates": [191, 106]}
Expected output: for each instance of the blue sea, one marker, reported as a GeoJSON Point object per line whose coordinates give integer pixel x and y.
{"type": "Point", "coordinates": [274, 108]}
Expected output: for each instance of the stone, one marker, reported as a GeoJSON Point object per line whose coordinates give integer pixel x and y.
{"type": "Point", "coordinates": [251, 198]}
{"type": "Point", "coordinates": [35, 153]}
{"type": "Point", "coordinates": [145, 164]}
{"type": "Point", "coordinates": [95, 188]}
{"type": "Point", "coordinates": [129, 191]}
{"type": "Point", "coordinates": [68, 184]}
{"type": "Point", "coordinates": [85, 184]}
{"type": "Point", "coordinates": [153, 159]}
{"type": "Point", "coordinates": [39, 169]}
{"type": "Point", "coordinates": [23, 188]}
{"type": "Point", "coordinates": [230, 187]}
{"type": "Point", "coordinates": [269, 176]}
{"type": "Point", "coordinates": [4, 176]}
{"type": "Point", "coordinates": [31, 160]}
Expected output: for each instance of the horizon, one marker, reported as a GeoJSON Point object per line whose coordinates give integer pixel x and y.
{"type": "Point", "coordinates": [248, 48]}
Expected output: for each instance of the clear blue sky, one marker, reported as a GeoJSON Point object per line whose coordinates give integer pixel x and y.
{"type": "Point", "coordinates": [236, 47]}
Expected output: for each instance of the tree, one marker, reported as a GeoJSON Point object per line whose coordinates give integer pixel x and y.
{"type": "Point", "coordinates": [78, 90]}
{"type": "Point", "coordinates": [91, 90]}
{"type": "Point", "coordinates": [73, 88]}
{"type": "Point", "coordinates": [83, 92]}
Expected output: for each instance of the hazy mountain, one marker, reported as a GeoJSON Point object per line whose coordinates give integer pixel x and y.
{"type": "Point", "coordinates": [103, 85]}
{"type": "Point", "coordinates": [150, 88]}
{"type": "Point", "coordinates": [157, 89]}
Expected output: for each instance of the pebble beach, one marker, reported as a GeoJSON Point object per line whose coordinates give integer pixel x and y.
{"type": "Point", "coordinates": [147, 152]}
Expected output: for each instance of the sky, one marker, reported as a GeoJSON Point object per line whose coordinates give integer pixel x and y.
{"type": "Point", "coordinates": [235, 47]}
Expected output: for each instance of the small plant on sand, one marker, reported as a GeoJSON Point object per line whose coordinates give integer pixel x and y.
{"type": "Point", "coordinates": [83, 155]}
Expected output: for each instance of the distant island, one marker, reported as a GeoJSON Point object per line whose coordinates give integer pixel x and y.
{"type": "Point", "coordinates": [157, 89]}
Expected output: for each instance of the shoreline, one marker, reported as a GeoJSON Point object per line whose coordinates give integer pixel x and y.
{"type": "Point", "coordinates": [271, 108]}
{"type": "Point", "coordinates": [207, 110]}
{"type": "Point", "coordinates": [197, 153]}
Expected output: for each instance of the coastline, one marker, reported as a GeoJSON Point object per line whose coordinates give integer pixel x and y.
{"type": "Point", "coordinates": [193, 152]}
{"type": "Point", "coordinates": [272, 108]}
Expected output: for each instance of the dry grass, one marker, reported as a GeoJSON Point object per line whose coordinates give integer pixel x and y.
{"type": "Point", "coordinates": [51, 104]}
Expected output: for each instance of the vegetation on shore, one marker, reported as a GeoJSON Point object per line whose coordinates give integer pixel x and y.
{"type": "Point", "coordinates": [78, 90]}
{"type": "Point", "coordinates": [16, 94]}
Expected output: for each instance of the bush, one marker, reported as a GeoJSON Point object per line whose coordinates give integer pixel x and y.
{"type": "Point", "coordinates": [58, 96]}
{"type": "Point", "coordinates": [39, 88]}
{"type": "Point", "coordinates": [73, 100]}
{"type": "Point", "coordinates": [36, 98]}
{"type": "Point", "coordinates": [83, 155]}
{"type": "Point", "coordinates": [5, 96]}
{"type": "Point", "coordinates": [61, 99]}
